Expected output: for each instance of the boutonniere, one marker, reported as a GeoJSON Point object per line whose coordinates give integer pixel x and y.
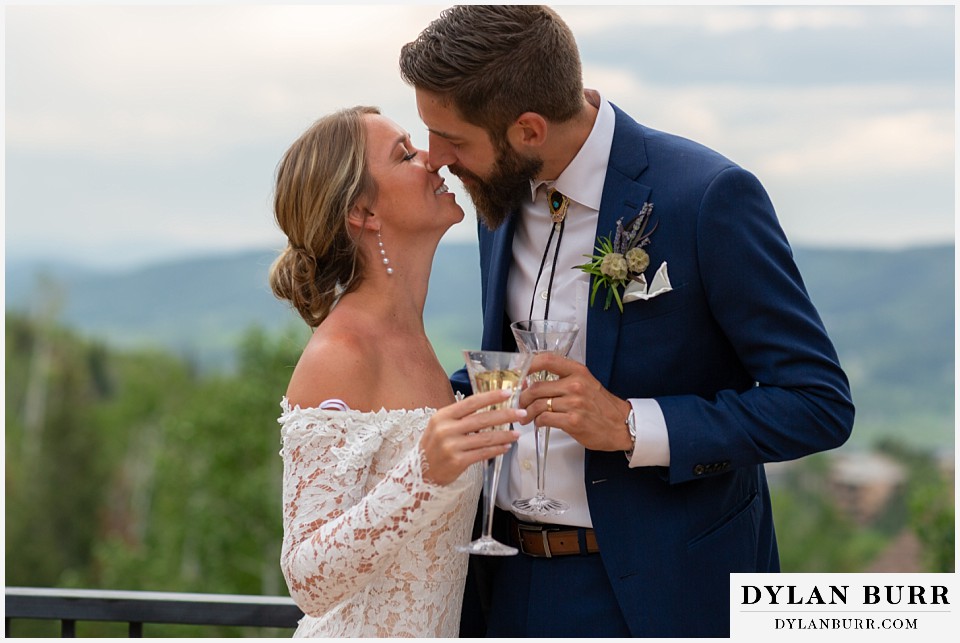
{"type": "Point", "coordinates": [619, 263]}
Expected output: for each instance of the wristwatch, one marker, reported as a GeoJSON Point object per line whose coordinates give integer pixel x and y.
{"type": "Point", "coordinates": [631, 423]}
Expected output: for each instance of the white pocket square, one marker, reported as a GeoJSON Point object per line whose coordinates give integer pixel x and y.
{"type": "Point", "coordinates": [638, 287]}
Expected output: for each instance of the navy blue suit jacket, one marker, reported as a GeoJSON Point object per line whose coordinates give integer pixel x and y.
{"type": "Point", "coordinates": [738, 359]}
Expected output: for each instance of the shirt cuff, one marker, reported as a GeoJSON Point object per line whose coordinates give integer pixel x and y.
{"type": "Point", "coordinates": [652, 448]}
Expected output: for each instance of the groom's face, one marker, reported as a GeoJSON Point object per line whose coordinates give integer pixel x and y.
{"type": "Point", "coordinates": [496, 176]}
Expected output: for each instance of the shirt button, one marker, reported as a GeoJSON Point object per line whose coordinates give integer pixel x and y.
{"type": "Point", "coordinates": [526, 464]}
{"type": "Point", "coordinates": [544, 295]}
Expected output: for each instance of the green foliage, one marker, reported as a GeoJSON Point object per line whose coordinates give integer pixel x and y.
{"type": "Point", "coordinates": [813, 535]}
{"type": "Point", "coordinates": [141, 473]}
{"type": "Point", "coordinates": [158, 469]}
{"type": "Point", "coordinates": [889, 313]}
{"type": "Point", "coordinates": [929, 502]}
{"type": "Point", "coordinates": [933, 517]}
{"type": "Point", "coordinates": [816, 536]}
{"type": "Point", "coordinates": [49, 431]}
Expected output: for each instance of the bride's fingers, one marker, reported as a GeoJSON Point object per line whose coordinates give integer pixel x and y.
{"type": "Point", "coordinates": [458, 436]}
{"type": "Point", "coordinates": [485, 453]}
{"type": "Point", "coordinates": [448, 453]}
{"type": "Point", "coordinates": [441, 428]}
{"type": "Point", "coordinates": [474, 403]}
{"type": "Point", "coordinates": [455, 437]}
{"type": "Point", "coordinates": [487, 439]}
{"type": "Point", "coordinates": [490, 419]}
{"type": "Point", "coordinates": [477, 447]}
{"type": "Point", "coordinates": [452, 461]}
{"type": "Point", "coordinates": [471, 414]}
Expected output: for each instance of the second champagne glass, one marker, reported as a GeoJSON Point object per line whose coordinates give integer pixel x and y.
{"type": "Point", "coordinates": [489, 371]}
{"type": "Point", "coordinates": [543, 336]}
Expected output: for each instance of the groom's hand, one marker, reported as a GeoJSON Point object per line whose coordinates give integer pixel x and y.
{"type": "Point", "coordinates": [578, 404]}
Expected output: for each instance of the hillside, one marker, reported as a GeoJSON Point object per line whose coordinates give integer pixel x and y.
{"type": "Point", "coordinates": [890, 314]}
{"type": "Point", "coordinates": [198, 307]}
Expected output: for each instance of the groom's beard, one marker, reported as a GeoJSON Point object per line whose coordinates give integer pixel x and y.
{"type": "Point", "coordinates": [501, 193]}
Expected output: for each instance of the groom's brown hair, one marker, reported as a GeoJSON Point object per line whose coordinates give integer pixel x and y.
{"type": "Point", "coordinates": [495, 62]}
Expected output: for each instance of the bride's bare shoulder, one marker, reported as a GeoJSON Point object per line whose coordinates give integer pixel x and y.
{"type": "Point", "coordinates": [339, 362]}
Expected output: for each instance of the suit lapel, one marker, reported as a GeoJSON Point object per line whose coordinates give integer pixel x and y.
{"type": "Point", "coordinates": [501, 256]}
{"type": "Point", "coordinates": [622, 198]}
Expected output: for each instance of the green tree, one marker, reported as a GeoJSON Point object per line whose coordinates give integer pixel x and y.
{"type": "Point", "coordinates": [144, 474]}
{"type": "Point", "coordinates": [812, 533]}
{"type": "Point", "coordinates": [56, 473]}
{"type": "Point", "coordinates": [928, 503]}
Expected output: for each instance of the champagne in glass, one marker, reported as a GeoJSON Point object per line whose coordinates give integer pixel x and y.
{"type": "Point", "coordinates": [502, 379]}
{"type": "Point", "coordinates": [543, 336]}
{"type": "Point", "coordinates": [489, 371]}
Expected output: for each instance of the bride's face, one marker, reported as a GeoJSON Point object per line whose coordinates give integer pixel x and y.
{"type": "Point", "coordinates": [409, 194]}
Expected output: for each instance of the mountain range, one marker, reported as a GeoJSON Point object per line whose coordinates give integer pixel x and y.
{"type": "Point", "coordinates": [890, 314]}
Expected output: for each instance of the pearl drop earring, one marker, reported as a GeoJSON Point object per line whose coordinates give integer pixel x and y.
{"type": "Point", "coordinates": [383, 253]}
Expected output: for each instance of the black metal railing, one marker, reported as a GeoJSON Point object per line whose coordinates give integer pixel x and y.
{"type": "Point", "coordinates": [137, 608]}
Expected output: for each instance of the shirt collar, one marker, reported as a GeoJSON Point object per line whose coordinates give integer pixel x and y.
{"type": "Point", "coordinates": [582, 179]}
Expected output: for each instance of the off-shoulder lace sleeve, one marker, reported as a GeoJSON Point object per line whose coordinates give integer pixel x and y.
{"type": "Point", "coordinates": [344, 518]}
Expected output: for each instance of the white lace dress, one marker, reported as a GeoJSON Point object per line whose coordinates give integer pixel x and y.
{"type": "Point", "coordinates": [368, 545]}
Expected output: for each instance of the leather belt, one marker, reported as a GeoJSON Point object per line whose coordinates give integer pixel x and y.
{"type": "Point", "coordinates": [547, 541]}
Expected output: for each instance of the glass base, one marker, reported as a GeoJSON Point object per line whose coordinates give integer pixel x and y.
{"type": "Point", "coordinates": [486, 546]}
{"type": "Point", "coordinates": [540, 506]}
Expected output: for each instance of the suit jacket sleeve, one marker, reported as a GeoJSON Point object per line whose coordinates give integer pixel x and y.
{"type": "Point", "coordinates": [460, 382]}
{"type": "Point", "coordinates": [795, 399]}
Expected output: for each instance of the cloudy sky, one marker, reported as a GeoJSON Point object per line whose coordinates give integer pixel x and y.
{"type": "Point", "coordinates": [140, 133]}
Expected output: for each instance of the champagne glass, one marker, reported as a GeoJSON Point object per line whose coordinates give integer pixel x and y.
{"type": "Point", "coordinates": [543, 336]}
{"type": "Point", "coordinates": [489, 371]}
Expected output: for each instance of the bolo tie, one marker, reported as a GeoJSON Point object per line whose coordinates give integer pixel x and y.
{"type": "Point", "coordinates": [558, 204]}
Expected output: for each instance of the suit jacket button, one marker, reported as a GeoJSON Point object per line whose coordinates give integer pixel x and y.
{"type": "Point", "coordinates": [698, 470]}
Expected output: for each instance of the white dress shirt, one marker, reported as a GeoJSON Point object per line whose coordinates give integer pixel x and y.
{"type": "Point", "coordinates": [582, 182]}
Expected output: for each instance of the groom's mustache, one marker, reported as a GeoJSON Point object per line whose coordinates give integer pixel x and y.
{"type": "Point", "coordinates": [463, 173]}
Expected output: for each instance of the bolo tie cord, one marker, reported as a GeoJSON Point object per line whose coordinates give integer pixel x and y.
{"type": "Point", "coordinates": [553, 269]}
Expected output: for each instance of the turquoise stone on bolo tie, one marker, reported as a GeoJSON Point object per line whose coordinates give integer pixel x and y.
{"type": "Point", "coordinates": [558, 206]}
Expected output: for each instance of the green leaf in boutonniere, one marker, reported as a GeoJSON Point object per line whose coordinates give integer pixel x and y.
{"type": "Point", "coordinates": [621, 258]}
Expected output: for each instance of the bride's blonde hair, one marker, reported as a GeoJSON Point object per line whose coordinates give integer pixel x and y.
{"type": "Point", "coordinates": [319, 180]}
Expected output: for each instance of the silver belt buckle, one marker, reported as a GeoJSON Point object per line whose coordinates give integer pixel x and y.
{"type": "Point", "coordinates": [543, 535]}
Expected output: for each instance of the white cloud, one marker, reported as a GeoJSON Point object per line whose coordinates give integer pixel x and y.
{"type": "Point", "coordinates": [800, 131]}
{"type": "Point", "coordinates": [738, 19]}
{"type": "Point", "coordinates": [829, 155]}
{"type": "Point", "coordinates": [153, 81]}
{"type": "Point", "coordinates": [715, 19]}
{"type": "Point", "coordinates": [178, 114]}
{"type": "Point", "coordinates": [885, 146]}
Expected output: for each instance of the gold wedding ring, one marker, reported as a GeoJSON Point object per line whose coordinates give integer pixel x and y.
{"type": "Point", "coordinates": [549, 405]}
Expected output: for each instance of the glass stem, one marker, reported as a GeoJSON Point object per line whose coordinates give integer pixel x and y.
{"type": "Point", "coordinates": [543, 440]}
{"type": "Point", "coordinates": [491, 478]}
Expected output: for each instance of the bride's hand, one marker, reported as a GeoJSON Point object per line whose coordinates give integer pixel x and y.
{"type": "Point", "coordinates": [453, 439]}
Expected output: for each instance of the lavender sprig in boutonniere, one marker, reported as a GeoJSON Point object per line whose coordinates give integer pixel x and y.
{"type": "Point", "coordinates": [619, 262]}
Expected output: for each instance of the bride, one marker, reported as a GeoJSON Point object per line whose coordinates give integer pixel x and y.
{"type": "Point", "coordinates": [381, 476]}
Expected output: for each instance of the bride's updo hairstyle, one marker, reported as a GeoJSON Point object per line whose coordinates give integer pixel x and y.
{"type": "Point", "coordinates": [319, 179]}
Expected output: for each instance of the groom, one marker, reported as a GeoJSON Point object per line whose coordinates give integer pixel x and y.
{"type": "Point", "coordinates": [701, 356]}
